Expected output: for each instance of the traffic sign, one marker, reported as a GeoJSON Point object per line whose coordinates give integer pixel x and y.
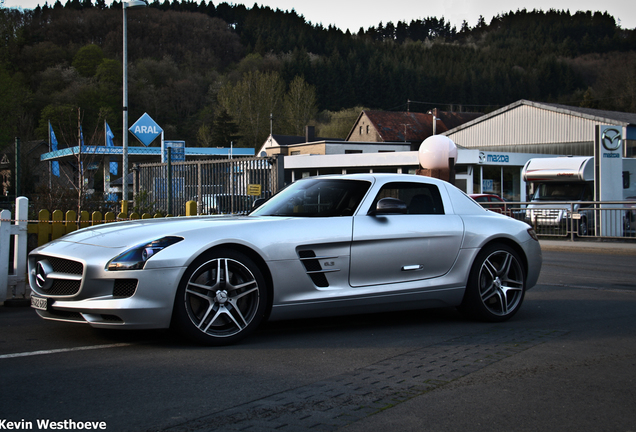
{"type": "Point", "coordinates": [254, 189]}
{"type": "Point", "coordinates": [145, 129]}
{"type": "Point", "coordinates": [177, 151]}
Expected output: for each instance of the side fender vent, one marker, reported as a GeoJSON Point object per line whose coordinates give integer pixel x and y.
{"type": "Point", "coordinates": [313, 268]}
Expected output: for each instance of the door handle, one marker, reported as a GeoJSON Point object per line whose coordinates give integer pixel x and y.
{"type": "Point", "coordinates": [412, 267]}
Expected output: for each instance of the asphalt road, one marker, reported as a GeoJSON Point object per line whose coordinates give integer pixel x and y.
{"type": "Point", "coordinates": [566, 362]}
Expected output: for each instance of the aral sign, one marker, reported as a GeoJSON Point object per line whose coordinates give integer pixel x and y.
{"type": "Point", "coordinates": [145, 129]}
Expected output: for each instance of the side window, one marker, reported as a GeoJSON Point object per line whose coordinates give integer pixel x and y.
{"type": "Point", "coordinates": [420, 198]}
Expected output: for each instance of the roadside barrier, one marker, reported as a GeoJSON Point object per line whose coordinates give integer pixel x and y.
{"type": "Point", "coordinates": [51, 226]}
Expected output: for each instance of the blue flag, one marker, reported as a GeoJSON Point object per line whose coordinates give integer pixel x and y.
{"type": "Point", "coordinates": [109, 143]}
{"type": "Point", "coordinates": [81, 150]}
{"type": "Point", "coordinates": [109, 137]}
{"type": "Point", "coordinates": [55, 165]}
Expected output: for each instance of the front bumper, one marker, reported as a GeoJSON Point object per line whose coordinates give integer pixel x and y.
{"type": "Point", "coordinates": [534, 256]}
{"type": "Point", "coordinates": [98, 299]}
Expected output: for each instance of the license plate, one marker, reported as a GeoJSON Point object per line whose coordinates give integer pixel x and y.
{"type": "Point", "coordinates": [38, 303]}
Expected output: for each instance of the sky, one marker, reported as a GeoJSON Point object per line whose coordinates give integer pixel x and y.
{"type": "Point", "coordinates": [353, 14]}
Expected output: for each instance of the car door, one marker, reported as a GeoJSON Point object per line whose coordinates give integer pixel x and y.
{"type": "Point", "coordinates": [421, 244]}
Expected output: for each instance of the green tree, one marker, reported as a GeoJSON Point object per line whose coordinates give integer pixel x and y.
{"type": "Point", "coordinates": [15, 119]}
{"type": "Point", "coordinates": [87, 60]}
{"type": "Point", "coordinates": [299, 106]}
{"type": "Point", "coordinates": [337, 124]}
{"type": "Point", "coordinates": [225, 131]}
{"type": "Point", "coordinates": [251, 101]}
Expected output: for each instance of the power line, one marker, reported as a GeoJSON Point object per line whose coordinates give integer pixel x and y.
{"type": "Point", "coordinates": [454, 103]}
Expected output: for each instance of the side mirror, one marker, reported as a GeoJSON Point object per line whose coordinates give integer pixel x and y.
{"type": "Point", "coordinates": [389, 206]}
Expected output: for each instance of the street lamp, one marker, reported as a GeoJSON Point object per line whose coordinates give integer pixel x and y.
{"type": "Point", "coordinates": [126, 4]}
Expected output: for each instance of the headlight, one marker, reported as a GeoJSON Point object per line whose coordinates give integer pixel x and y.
{"type": "Point", "coordinates": [135, 258]}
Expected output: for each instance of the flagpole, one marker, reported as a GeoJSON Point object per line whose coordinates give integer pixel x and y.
{"type": "Point", "coordinates": [81, 165]}
{"type": "Point", "coordinates": [106, 164]}
{"type": "Point", "coordinates": [50, 163]}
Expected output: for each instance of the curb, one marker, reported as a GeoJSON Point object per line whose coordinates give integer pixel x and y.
{"type": "Point", "coordinates": [589, 247]}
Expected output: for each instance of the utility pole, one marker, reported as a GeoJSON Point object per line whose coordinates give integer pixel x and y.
{"type": "Point", "coordinates": [80, 175]}
{"type": "Point", "coordinates": [405, 125]}
{"type": "Point", "coordinates": [17, 167]}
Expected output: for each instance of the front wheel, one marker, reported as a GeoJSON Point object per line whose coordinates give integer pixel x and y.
{"type": "Point", "coordinates": [496, 285]}
{"type": "Point", "coordinates": [221, 299]}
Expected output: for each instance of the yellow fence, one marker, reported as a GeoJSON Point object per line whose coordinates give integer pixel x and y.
{"type": "Point", "coordinates": [51, 226]}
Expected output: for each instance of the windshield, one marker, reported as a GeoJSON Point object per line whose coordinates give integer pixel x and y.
{"type": "Point", "coordinates": [563, 192]}
{"type": "Point", "coordinates": [316, 198]}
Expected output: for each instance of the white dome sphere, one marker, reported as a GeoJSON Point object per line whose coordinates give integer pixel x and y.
{"type": "Point", "coordinates": [435, 152]}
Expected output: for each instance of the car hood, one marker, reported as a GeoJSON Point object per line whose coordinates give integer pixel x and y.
{"type": "Point", "coordinates": [118, 235]}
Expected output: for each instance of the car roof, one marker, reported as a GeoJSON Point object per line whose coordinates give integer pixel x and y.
{"type": "Point", "coordinates": [383, 177]}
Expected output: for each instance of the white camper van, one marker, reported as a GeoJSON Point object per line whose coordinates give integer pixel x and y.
{"type": "Point", "coordinates": [561, 181]}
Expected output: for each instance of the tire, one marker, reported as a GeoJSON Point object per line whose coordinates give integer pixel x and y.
{"type": "Point", "coordinates": [221, 299]}
{"type": "Point", "coordinates": [496, 285]}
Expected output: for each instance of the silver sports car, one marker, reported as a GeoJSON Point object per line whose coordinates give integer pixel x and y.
{"type": "Point", "coordinates": [323, 246]}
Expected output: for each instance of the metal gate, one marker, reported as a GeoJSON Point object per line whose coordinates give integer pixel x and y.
{"type": "Point", "coordinates": [227, 186]}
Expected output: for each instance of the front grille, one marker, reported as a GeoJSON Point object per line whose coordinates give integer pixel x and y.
{"type": "Point", "coordinates": [61, 315]}
{"type": "Point", "coordinates": [124, 288]}
{"type": "Point", "coordinates": [67, 280]}
{"type": "Point", "coordinates": [63, 287]}
{"type": "Point", "coordinates": [61, 265]}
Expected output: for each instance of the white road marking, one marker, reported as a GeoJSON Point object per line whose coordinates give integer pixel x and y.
{"type": "Point", "coordinates": [62, 350]}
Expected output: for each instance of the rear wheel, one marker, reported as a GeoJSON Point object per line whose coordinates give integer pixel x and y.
{"type": "Point", "coordinates": [496, 285]}
{"type": "Point", "coordinates": [221, 299]}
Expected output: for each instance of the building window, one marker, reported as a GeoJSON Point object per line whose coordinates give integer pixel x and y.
{"type": "Point", "coordinates": [352, 151]}
{"type": "Point", "coordinates": [367, 129]}
{"type": "Point", "coordinates": [360, 130]}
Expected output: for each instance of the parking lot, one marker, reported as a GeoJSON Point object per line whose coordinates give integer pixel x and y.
{"type": "Point", "coordinates": [566, 361]}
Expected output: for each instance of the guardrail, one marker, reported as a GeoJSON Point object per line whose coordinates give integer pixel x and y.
{"type": "Point", "coordinates": [583, 219]}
